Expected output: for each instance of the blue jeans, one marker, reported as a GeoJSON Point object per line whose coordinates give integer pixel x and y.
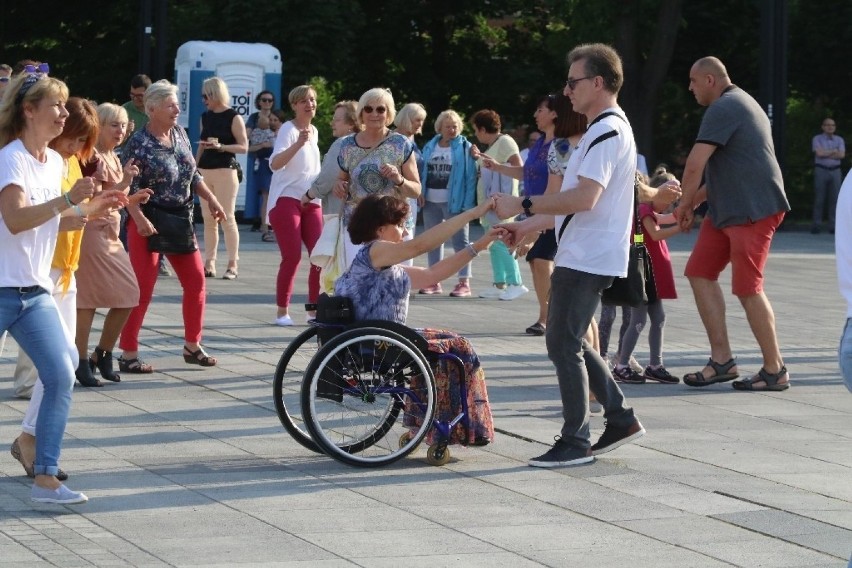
{"type": "Point", "coordinates": [846, 354]}
{"type": "Point", "coordinates": [574, 299]}
{"type": "Point", "coordinates": [32, 319]}
{"type": "Point", "coordinates": [434, 214]}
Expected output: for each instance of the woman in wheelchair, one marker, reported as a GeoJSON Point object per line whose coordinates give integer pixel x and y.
{"type": "Point", "coordinates": [379, 287]}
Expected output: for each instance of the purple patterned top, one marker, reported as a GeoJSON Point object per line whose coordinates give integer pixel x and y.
{"type": "Point", "coordinates": [170, 172]}
{"type": "Point", "coordinates": [377, 293]}
{"type": "Point", "coordinates": [535, 168]}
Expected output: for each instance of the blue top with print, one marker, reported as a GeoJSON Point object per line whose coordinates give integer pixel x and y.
{"type": "Point", "coordinates": [376, 293]}
{"type": "Point", "coordinates": [170, 172]}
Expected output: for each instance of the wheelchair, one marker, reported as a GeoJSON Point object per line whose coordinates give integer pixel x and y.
{"type": "Point", "coordinates": [363, 392]}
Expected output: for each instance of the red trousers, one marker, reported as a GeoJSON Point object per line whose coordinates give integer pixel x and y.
{"type": "Point", "coordinates": [190, 272]}
{"type": "Point", "coordinates": [295, 224]}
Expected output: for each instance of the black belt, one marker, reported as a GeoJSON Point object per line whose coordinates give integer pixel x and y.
{"type": "Point", "coordinates": [829, 168]}
{"type": "Point", "coordinates": [23, 289]}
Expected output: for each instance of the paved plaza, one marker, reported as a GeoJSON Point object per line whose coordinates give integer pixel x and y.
{"type": "Point", "coordinates": [191, 467]}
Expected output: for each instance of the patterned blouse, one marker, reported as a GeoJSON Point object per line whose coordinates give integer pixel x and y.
{"type": "Point", "coordinates": [363, 166]}
{"type": "Point", "coordinates": [557, 156]}
{"type": "Point", "coordinates": [377, 293]}
{"type": "Point", "coordinates": [170, 172]}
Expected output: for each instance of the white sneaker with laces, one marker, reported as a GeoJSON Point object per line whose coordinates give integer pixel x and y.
{"type": "Point", "coordinates": [512, 292]}
{"type": "Point", "coordinates": [492, 293]}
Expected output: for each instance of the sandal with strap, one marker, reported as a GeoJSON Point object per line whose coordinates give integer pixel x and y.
{"type": "Point", "coordinates": [771, 381]}
{"type": "Point", "coordinates": [721, 373]}
{"type": "Point", "coordinates": [103, 363]}
{"type": "Point", "coordinates": [198, 357]}
{"type": "Point", "coordinates": [135, 365]}
{"type": "Point", "coordinates": [15, 450]}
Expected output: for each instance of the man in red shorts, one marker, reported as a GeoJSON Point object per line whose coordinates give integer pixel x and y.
{"type": "Point", "coordinates": [735, 157]}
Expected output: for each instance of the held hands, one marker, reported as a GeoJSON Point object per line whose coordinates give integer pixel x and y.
{"type": "Point", "coordinates": [488, 162]}
{"type": "Point", "coordinates": [507, 205]}
{"type": "Point", "coordinates": [104, 203]}
{"type": "Point", "coordinates": [484, 207]}
{"type": "Point", "coordinates": [667, 194]}
{"type": "Point", "coordinates": [513, 233]}
{"type": "Point", "coordinates": [684, 216]}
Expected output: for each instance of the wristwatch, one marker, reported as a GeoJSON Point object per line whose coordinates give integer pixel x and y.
{"type": "Point", "coordinates": [526, 204]}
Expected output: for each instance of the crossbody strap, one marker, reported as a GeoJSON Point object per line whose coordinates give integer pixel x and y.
{"type": "Point", "coordinates": [598, 140]}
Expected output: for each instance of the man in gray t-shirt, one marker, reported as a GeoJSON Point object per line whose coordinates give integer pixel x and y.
{"type": "Point", "coordinates": [743, 187]}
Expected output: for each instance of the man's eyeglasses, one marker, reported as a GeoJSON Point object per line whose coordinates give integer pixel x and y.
{"type": "Point", "coordinates": [571, 83]}
{"type": "Point", "coordinates": [137, 96]}
{"type": "Point", "coordinates": [379, 109]}
{"type": "Point", "coordinates": [266, 100]}
{"type": "Point", "coordinates": [40, 68]}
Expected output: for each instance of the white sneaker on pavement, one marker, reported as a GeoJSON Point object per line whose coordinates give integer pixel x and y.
{"type": "Point", "coordinates": [492, 293]}
{"type": "Point", "coordinates": [512, 292]}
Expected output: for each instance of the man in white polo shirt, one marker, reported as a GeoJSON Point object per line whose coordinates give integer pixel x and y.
{"type": "Point", "coordinates": [593, 220]}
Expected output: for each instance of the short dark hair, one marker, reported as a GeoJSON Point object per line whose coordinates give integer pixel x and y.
{"type": "Point", "coordinates": [374, 212]}
{"type": "Point", "coordinates": [600, 60]}
{"type": "Point", "coordinates": [260, 94]}
{"type": "Point", "coordinates": [140, 80]}
{"type": "Point", "coordinates": [488, 120]}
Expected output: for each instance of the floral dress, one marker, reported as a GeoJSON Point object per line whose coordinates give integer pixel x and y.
{"type": "Point", "coordinates": [382, 293]}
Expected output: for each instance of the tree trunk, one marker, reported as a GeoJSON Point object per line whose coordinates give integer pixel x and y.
{"type": "Point", "coordinates": [643, 78]}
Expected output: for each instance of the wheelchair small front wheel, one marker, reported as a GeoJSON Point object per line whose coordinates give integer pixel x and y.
{"type": "Point", "coordinates": [438, 454]}
{"type": "Point", "coordinates": [368, 397]}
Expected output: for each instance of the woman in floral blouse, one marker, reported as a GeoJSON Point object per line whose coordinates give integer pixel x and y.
{"type": "Point", "coordinates": [163, 154]}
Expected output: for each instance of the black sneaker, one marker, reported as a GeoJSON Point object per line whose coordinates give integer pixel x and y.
{"type": "Point", "coordinates": [562, 454]}
{"type": "Point", "coordinates": [660, 375]}
{"type": "Point", "coordinates": [628, 376]}
{"type": "Point", "coordinates": [615, 436]}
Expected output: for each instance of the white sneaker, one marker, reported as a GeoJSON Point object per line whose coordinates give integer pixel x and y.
{"type": "Point", "coordinates": [492, 293]}
{"type": "Point", "coordinates": [513, 292]}
{"type": "Point", "coordinates": [283, 321]}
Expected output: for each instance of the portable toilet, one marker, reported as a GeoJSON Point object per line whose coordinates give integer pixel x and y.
{"type": "Point", "coordinates": [247, 69]}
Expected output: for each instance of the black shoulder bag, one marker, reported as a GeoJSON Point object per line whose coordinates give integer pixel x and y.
{"type": "Point", "coordinates": [632, 290]}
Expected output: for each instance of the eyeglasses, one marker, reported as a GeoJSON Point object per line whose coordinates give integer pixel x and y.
{"type": "Point", "coordinates": [40, 68]}
{"type": "Point", "coordinates": [379, 109]}
{"type": "Point", "coordinates": [137, 96]}
{"type": "Point", "coordinates": [571, 83]}
{"type": "Point", "coordinates": [266, 100]}
{"type": "Point", "coordinates": [4, 79]}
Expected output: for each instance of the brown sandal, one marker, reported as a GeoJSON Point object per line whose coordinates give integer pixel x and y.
{"type": "Point", "coordinates": [721, 373]}
{"type": "Point", "coordinates": [198, 357]}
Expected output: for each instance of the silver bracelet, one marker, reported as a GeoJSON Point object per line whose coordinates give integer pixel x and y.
{"type": "Point", "coordinates": [472, 251]}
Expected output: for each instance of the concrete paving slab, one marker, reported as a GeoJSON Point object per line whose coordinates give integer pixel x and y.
{"type": "Point", "coordinates": [190, 466]}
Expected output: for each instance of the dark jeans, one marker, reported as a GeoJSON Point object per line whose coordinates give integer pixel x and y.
{"type": "Point", "coordinates": [574, 299]}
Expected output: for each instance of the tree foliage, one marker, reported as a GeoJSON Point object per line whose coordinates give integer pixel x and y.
{"type": "Point", "coordinates": [470, 54]}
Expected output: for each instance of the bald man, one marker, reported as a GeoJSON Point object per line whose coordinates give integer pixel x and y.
{"type": "Point", "coordinates": [733, 167]}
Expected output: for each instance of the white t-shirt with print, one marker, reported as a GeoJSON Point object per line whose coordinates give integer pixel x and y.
{"type": "Point", "coordinates": [26, 257]}
{"type": "Point", "coordinates": [296, 177]}
{"type": "Point", "coordinates": [596, 241]}
{"type": "Point", "coordinates": [438, 174]}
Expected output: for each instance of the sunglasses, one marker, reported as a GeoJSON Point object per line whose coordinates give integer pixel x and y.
{"type": "Point", "coordinates": [571, 83]}
{"type": "Point", "coordinates": [379, 109]}
{"type": "Point", "coordinates": [4, 79]}
{"type": "Point", "coordinates": [266, 100]}
{"type": "Point", "coordinates": [40, 68]}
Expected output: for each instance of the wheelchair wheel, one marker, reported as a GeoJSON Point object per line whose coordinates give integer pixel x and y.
{"type": "Point", "coordinates": [356, 389]}
{"type": "Point", "coordinates": [287, 384]}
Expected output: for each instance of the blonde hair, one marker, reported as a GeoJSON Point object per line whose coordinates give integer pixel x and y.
{"type": "Point", "coordinates": [448, 114]}
{"type": "Point", "coordinates": [35, 88]}
{"type": "Point", "coordinates": [351, 114]}
{"type": "Point", "coordinates": [109, 112]}
{"type": "Point", "coordinates": [216, 90]}
{"type": "Point", "coordinates": [378, 96]}
{"type": "Point", "coordinates": [408, 114]}
{"type": "Point", "coordinates": [157, 93]}
{"type": "Point", "coordinates": [300, 93]}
